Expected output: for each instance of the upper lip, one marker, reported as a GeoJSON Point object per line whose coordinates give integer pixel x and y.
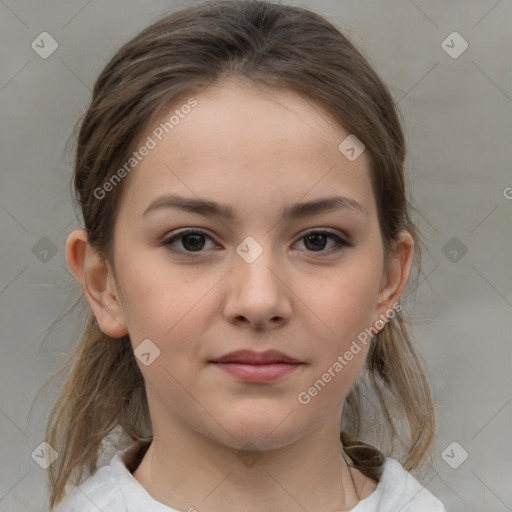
{"type": "Point", "coordinates": [252, 357]}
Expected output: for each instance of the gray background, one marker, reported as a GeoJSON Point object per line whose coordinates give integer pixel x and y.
{"type": "Point", "coordinates": [457, 113]}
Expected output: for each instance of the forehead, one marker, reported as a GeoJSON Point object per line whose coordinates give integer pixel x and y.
{"type": "Point", "coordinates": [244, 143]}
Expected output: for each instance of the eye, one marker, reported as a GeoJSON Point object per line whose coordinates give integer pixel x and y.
{"type": "Point", "coordinates": [191, 241]}
{"type": "Point", "coordinates": [317, 240]}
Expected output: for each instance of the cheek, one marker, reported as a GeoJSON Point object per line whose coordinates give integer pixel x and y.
{"type": "Point", "coordinates": [346, 307]}
{"type": "Point", "coordinates": [176, 329]}
{"type": "Point", "coordinates": [347, 302]}
{"type": "Point", "coordinates": [159, 296]}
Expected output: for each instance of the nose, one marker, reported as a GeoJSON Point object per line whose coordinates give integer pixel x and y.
{"type": "Point", "coordinates": [259, 295]}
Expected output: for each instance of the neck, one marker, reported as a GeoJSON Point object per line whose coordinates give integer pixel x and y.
{"type": "Point", "coordinates": [188, 471]}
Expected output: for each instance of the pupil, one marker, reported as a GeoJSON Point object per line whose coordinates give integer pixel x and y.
{"type": "Point", "coordinates": [316, 237]}
{"type": "Point", "coordinates": [193, 245]}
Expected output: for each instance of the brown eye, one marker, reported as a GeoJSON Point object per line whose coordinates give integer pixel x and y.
{"type": "Point", "coordinates": [316, 241]}
{"type": "Point", "coordinates": [189, 241]}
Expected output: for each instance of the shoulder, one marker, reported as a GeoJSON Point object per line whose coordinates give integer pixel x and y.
{"type": "Point", "coordinates": [101, 491]}
{"type": "Point", "coordinates": [401, 491]}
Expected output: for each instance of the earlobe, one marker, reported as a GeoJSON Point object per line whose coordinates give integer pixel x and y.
{"type": "Point", "coordinates": [397, 275]}
{"type": "Point", "coordinates": [95, 277]}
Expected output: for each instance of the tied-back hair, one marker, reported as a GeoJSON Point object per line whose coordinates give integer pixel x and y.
{"type": "Point", "coordinates": [179, 55]}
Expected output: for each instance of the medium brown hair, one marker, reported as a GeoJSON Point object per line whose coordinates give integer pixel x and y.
{"type": "Point", "coordinates": [275, 45]}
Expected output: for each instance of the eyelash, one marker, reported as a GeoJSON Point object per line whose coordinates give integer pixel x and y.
{"type": "Point", "coordinates": [340, 242]}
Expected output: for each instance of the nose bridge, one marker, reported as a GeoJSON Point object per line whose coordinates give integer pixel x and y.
{"type": "Point", "coordinates": [256, 262]}
{"type": "Point", "coordinates": [257, 289]}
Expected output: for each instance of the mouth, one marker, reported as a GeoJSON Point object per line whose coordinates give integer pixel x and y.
{"type": "Point", "coordinates": [251, 366]}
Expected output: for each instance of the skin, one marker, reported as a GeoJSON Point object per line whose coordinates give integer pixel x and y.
{"type": "Point", "coordinates": [257, 150]}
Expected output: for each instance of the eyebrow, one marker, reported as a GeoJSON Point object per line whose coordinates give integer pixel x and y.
{"type": "Point", "coordinates": [295, 211]}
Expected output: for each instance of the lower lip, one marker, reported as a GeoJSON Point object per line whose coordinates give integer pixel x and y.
{"type": "Point", "coordinates": [258, 372]}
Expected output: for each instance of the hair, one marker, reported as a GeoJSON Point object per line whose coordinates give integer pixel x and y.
{"type": "Point", "coordinates": [180, 54]}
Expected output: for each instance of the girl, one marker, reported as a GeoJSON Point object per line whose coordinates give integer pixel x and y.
{"type": "Point", "coordinates": [246, 243]}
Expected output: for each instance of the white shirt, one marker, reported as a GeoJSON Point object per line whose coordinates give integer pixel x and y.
{"type": "Point", "coordinates": [114, 489]}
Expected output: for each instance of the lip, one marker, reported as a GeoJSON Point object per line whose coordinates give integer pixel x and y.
{"type": "Point", "coordinates": [256, 358]}
{"type": "Point", "coordinates": [251, 366]}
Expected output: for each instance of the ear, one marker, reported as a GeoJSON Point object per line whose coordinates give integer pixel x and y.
{"type": "Point", "coordinates": [395, 275]}
{"type": "Point", "coordinates": [96, 278]}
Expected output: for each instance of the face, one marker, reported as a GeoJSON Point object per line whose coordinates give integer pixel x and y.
{"type": "Point", "coordinates": [274, 274]}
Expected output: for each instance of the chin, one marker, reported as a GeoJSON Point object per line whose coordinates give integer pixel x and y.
{"type": "Point", "coordinates": [262, 431]}
{"type": "Point", "coordinates": [257, 441]}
